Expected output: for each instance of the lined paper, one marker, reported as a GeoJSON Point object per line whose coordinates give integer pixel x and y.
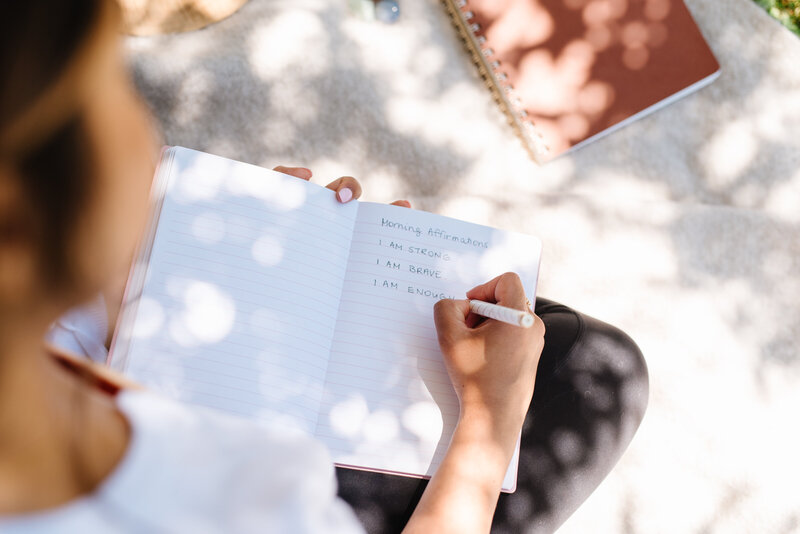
{"type": "Point", "coordinates": [388, 402]}
{"type": "Point", "coordinates": [263, 296]}
{"type": "Point", "coordinates": [242, 290]}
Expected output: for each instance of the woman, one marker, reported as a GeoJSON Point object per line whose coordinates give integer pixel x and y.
{"type": "Point", "coordinates": [82, 451]}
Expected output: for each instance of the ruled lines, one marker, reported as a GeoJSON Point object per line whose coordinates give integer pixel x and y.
{"type": "Point", "coordinates": [247, 292]}
{"type": "Point", "coordinates": [385, 353]}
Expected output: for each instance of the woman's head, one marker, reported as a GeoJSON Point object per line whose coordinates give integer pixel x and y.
{"type": "Point", "coordinates": [76, 154]}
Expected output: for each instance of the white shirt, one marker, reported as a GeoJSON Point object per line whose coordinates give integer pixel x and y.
{"type": "Point", "coordinates": [83, 330]}
{"type": "Point", "coordinates": [190, 470]}
{"type": "Point", "coordinates": [193, 470]}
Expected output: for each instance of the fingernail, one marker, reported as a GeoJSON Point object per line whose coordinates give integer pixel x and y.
{"type": "Point", "coordinates": [345, 194]}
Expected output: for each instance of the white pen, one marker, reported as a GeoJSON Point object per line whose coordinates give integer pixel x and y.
{"type": "Point", "coordinates": [502, 313]}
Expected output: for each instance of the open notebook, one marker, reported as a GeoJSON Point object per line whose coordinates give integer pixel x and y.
{"type": "Point", "coordinates": [261, 295]}
{"type": "Point", "coordinates": [566, 72]}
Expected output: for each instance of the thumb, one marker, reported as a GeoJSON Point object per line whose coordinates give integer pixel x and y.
{"type": "Point", "coordinates": [450, 316]}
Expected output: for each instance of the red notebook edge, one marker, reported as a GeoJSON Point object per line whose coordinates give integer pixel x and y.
{"type": "Point", "coordinates": [540, 141]}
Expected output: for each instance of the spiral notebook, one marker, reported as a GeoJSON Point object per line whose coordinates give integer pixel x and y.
{"type": "Point", "coordinates": [566, 72]}
{"type": "Point", "coordinates": [261, 295]}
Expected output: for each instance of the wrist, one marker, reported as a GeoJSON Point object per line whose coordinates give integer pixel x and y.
{"type": "Point", "coordinates": [496, 428]}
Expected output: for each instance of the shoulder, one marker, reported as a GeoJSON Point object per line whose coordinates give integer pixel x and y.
{"type": "Point", "coordinates": [244, 476]}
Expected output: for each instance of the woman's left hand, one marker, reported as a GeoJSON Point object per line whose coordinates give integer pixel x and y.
{"type": "Point", "coordinates": [347, 188]}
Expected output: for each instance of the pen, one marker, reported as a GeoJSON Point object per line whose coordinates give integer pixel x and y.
{"type": "Point", "coordinates": [502, 313]}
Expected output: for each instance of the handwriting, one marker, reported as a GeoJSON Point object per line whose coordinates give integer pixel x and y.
{"type": "Point", "coordinates": [433, 232]}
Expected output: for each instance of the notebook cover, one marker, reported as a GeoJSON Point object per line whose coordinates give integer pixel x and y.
{"type": "Point", "coordinates": [566, 71]}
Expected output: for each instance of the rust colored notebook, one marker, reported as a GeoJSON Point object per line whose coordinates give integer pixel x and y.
{"type": "Point", "coordinates": [566, 72]}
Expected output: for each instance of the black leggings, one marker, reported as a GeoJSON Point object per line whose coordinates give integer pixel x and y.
{"type": "Point", "coordinates": [590, 395]}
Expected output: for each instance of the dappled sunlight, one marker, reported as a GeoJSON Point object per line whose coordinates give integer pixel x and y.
{"type": "Point", "coordinates": [682, 228]}
{"type": "Point", "coordinates": [507, 33]}
{"type": "Point", "coordinates": [625, 184]}
{"type": "Point", "coordinates": [726, 310]}
{"type": "Point", "coordinates": [278, 381]}
{"type": "Point", "coordinates": [516, 246]}
{"type": "Point", "coordinates": [208, 227]}
{"type": "Point", "coordinates": [725, 336]}
{"type": "Point", "coordinates": [281, 193]}
{"type": "Point", "coordinates": [275, 91]}
{"type": "Point", "coordinates": [283, 41]}
{"type": "Point", "coordinates": [596, 12]}
{"type": "Point", "coordinates": [426, 117]}
{"type": "Point", "coordinates": [485, 175]}
{"type": "Point", "coordinates": [218, 345]}
{"type": "Point", "coordinates": [424, 420]}
{"type": "Point", "coordinates": [429, 60]}
{"type": "Point", "coordinates": [376, 52]}
{"type": "Point", "coordinates": [195, 88]}
{"type": "Point", "coordinates": [267, 250]}
{"type": "Point", "coordinates": [303, 99]}
{"type": "Point", "coordinates": [151, 318]}
{"type": "Point", "coordinates": [374, 427]}
{"type": "Point", "coordinates": [207, 181]}
{"type": "Point", "coordinates": [783, 201]}
{"type": "Point", "coordinates": [736, 150]}
{"type": "Point", "coordinates": [480, 209]}
{"type": "Point", "coordinates": [568, 447]}
{"type": "Point", "coordinates": [381, 426]}
{"type": "Point", "coordinates": [561, 80]}
{"type": "Point", "coordinates": [730, 152]}
{"type": "Point", "coordinates": [207, 316]}
{"type": "Point", "coordinates": [579, 67]}
{"type": "Point", "coordinates": [282, 133]}
{"type": "Point", "coordinates": [347, 417]}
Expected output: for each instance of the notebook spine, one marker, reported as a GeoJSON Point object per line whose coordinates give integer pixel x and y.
{"type": "Point", "coordinates": [119, 350]}
{"type": "Point", "coordinates": [491, 70]}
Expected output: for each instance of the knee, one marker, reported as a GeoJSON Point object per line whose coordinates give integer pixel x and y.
{"type": "Point", "coordinates": [599, 363]}
{"type": "Point", "coordinates": [618, 365]}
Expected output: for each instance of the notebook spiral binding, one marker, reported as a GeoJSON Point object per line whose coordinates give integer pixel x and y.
{"type": "Point", "coordinates": [495, 79]}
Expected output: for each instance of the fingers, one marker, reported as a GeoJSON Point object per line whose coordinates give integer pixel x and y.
{"type": "Point", "coordinates": [297, 172]}
{"type": "Point", "coordinates": [505, 290]}
{"type": "Point", "coordinates": [449, 316]}
{"type": "Point", "coordinates": [484, 291]}
{"type": "Point", "coordinates": [473, 320]}
{"type": "Point", "coordinates": [347, 188]}
{"type": "Point", "coordinates": [538, 326]}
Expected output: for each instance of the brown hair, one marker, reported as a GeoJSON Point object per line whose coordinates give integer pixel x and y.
{"type": "Point", "coordinates": [39, 40]}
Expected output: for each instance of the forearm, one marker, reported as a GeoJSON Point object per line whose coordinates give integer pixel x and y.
{"type": "Point", "coordinates": [462, 495]}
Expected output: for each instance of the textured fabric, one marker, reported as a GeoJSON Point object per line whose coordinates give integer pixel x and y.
{"type": "Point", "coordinates": [191, 470]}
{"type": "Point", "coordinates": [590, 395]}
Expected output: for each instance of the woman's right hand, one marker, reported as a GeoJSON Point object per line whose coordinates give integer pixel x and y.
{"type": "Point", "coordinates": [492, 364]}
{"type": "Point", "coordinates": [493, 369]}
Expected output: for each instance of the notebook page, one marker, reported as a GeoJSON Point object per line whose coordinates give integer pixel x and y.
{"type": "Point", "coordinates": [388, 402]}
{"type": "Point", "coordinates": [242, 290]}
